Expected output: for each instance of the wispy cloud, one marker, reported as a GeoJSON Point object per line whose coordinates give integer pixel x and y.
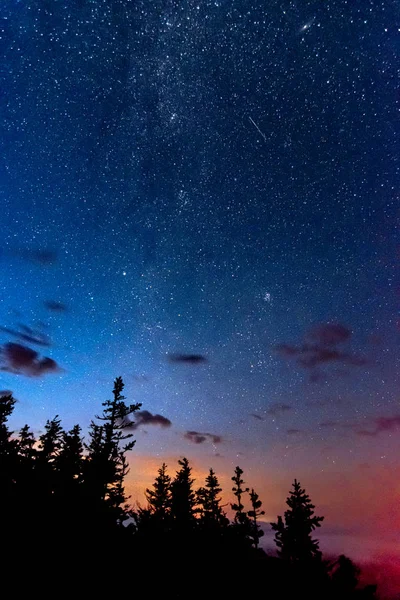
{"type": "Point", "coordinates": [198, 437]}
{"type": "Point", "coordinates": [279, 409]}
{"type": "Point", "coordinates": [381, 424]}
{"type": "Point", "coordinates": [145, 417]}
{"type": "Point", "coordinates": [21, 360]}
{"type": "Point", "coordinates": [27, 334]}
{"type": "Point", "coordinates": [322, 346]}
{"type": "Point", "coordinates": [256, 416]}
{"type": "Point", "coordinates": [188, 359]}
{"type": "Point", "coordinates": [55, 306]}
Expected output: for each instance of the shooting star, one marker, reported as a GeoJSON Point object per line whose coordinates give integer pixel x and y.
{"type": "Point", "coordinates": [258, 129]}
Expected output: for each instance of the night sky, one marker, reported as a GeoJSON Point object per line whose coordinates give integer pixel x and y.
{"type": "Point", "coordinates": [201, 197]}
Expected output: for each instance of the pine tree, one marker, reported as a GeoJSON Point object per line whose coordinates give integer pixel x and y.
{"type": "Point", "coordinates": [345, 580]}
{"type": "Point", "coordinates": [8, 461]}
{"type": "Point", "coordinates": [159, 498]}
{"type": "Point", "coordinates": [69, 461]}
{"type": "Point", "coordinates": [209, 503]}
{"type": "Point", "coordinates": [293, 535]}
{"type": "Point", "coordinates": [256, 531]}
{"type": "Point", "coordinates": [241, 517]}
{"type": "Point", "coordinates": [26, 445]}
{"type": "Point", "coordinates": [50, 441]}
{"type": "Point", "coordinates": [183, 497]}
{"type": "Point", "coordinates": [106, 466]}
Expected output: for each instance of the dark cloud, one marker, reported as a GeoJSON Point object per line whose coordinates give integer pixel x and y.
{"type": "Point", "coordinates": [189, 359]}
{"type": "Point", "coordinates": [381, 424]}
{"type": "Point", "coordinates": [329, 334]}
{"type": "Point", "coordinates": [256, 416]}
{"type": "Point", "coordinates": [277, 409]}
{"type": "Point", "coordinates": [197, 437]}
{"type": "Point", "coordinates": [26, 334]}
{"type": "Point", "coordinates": [22, 360]}
{"type": "Point", "coordinates": [320, 348]}
{"type": "Point", "coordinates": [144, 417]}
{"type": "Point", "coordinates": [293, 431]}
{"type": "Point", "coordinates": [41, 256]}
{"type": "Point", "coordinates": [55, 306]}
{"type": "Point", "coordinates": [330, 424]}
{"type": "Point", "coordinates": [325, 401]}
{"type": "Point", "coordinates": [317, 377]}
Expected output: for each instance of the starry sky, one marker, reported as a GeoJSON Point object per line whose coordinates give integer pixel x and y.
{"type": "Point", "coordinates": [201, 197]}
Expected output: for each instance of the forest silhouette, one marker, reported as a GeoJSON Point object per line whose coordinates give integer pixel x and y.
{"type": "Point", "coordinates": [64, 510]}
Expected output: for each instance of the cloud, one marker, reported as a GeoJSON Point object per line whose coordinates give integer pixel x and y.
{"type": "Point", "coordinates": [330, 334]}
{"type": "Point", "coordinates": [293, 431]}
{"type": "Point", "coordinates": [277, 409]}
{"type": "Point", "coordinates": [198, 437]}
{"type": "Point", "coordinates": [26, 334]}
{"type": "Point", "coordinates": [55, 306]}
{"type": "Point", "coordinates": [330, 424]}
{"type": "Point", "coordinates": [5, 393]}
{"type": "Point", "coordinates": [41, 256]}
{"type": "Point", "coordinates": [22, 360]}
{"type": "Point", "coordinates": [256, 416]}
{"type": "Point", "coordinates": [189, 359]}
{"type": "Point", "coordinates": [321, 347]}
{"type": "Point", "coordinates": [381, 424]}
{"type": "Point", "coordinates": [144, 417]}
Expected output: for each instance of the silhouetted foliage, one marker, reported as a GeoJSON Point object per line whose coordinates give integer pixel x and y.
{"type": "Point", "coordinates": [8, 459]}
{"type": "Point", "coordinates": [254, 513]}
{"type": "Point", "coordinates": [107, 466]}
{"type": "Point", "coordinates": [183, 498]}
{"type": "Point", "coordinates": [293, 534]}
{"type": "Point", "coordinates": [345, 581]}
{"type": "Point", "coordinates": [58, 492]}
{"type": "Point", "coordinates": [238, 491]}
{"type": "Point", "coordinates": [210, 509]}
{"type": "Point", "coordinates": [159, 498]}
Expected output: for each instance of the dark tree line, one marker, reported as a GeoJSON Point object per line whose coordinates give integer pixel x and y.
{"type": "Point", "coordinates": [63, 497]}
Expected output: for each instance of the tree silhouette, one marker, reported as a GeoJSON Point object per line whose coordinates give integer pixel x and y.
{"type": "Point", "coordinates": [183, 498]}
{"type": "Point", "coordinates": [59, 488]}
{"type": "Point", "coordinates": [50, 441]}
{"type": "Point", "coordinates": [69, 461]}
{"type": "Point", "coordinates": [345, 581]}
{"type": "Point", "coordinates": [159, 498]}
{"type": "Point", "coordinates": [49, 447]}
{"type": "Point", "coordinates": [26, 445]}
{"type": "Point", "coordinates": [254, 513]}
{"type": "Point", "coordinates": [8, 461]}
{"type": "Point", "coordinates": [107, 466]}
{"type": "Point", "coordinates": [238, 491]}
{"type": "Point", "coordinates": [293, 535]}
{"type": "Point", "coordinates": [209, 503]}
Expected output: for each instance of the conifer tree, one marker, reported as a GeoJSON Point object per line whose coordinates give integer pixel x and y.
{"type": "Point", "coordinates": [241, 517]}
{"type": "Point", "coordinates": [49, 447]}
{"type": "Point", "coordinates": [106, 466]}
{"type": "Point", "coordinates": [69, 461]}
{"type": "Point", "coordinates": [8, 458]}
{"type": "Point", "coordinates": [183, 497]}
{"type": "Point", "coordinates": [26, 445]}
{"type": "Point", "coordinates": [345, 580]}
{"type": "Point", "coordinates": [254, 513]}
{"type": "Point", "coordinates": [209, 502]}
{"type": "Point", "coordinates": [7, 403]}
{"type": "Point", "coordinates": [50, 441]}
{"type": "Point", "coordinates": [159, 498]}
{"type": "Point", "coordinates": [293, 534]}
